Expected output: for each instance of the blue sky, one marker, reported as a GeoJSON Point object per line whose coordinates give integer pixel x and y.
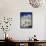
{"type": "Point", "coordinates": [25, 13]}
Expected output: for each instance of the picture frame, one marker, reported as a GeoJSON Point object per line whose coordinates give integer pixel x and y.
{"type": "Point", "coordinates": [25, 19]}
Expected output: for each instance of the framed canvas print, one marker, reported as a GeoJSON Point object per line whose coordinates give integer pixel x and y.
{"type": "Point", "coordinates": [25, 19]}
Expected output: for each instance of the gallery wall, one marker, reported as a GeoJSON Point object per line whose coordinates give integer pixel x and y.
{"type": "Point", "coordinates": [12, 8]}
